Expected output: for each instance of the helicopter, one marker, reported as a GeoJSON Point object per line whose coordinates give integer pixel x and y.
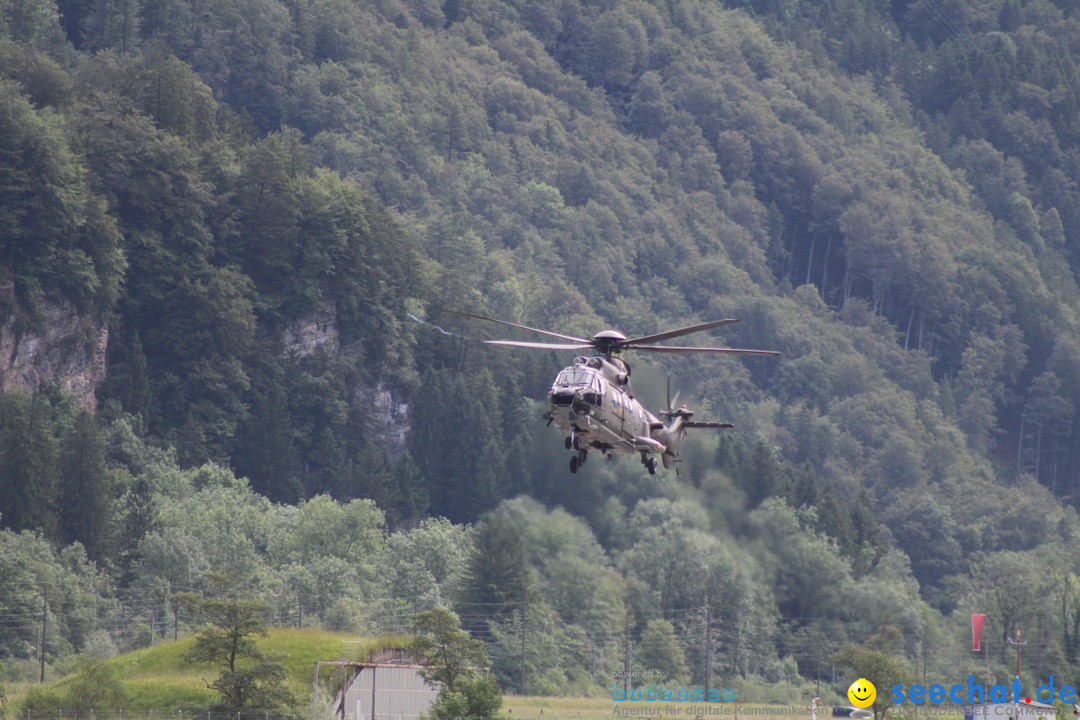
{"type": "Point", "coordinates": [591, 401]}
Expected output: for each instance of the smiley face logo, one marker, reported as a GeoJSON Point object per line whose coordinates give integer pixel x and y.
{"type": "Point", "coordinates": [862, 693]}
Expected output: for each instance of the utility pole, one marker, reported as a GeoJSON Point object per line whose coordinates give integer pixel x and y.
{"type": "Point", "coordinates": [925, 648]}
{"type": "Point", "coordinates": [1038, 649]}
{"type": "Point", "coordinates": [708, 648]}
{"type": "Point", "coordinates": [920, 651]}
{"type": "Point", "coordinates": [44, 625]}
{"type": "Point", "coordinates": [175, 614]}
{"type": "Point", "coordinates": [1017, 643]}
{"type": "Point", "coordinates": [521, 683]}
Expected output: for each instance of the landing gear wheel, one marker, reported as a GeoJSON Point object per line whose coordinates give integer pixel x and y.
{"type": "Point", "coordinates": [574, 464]}
{"type": "Point", "coordinates": [651, 465]}
{"type": "Point", "coordinates": [568, 442]}
{"type": "Point", "coordinates": [582, 457]}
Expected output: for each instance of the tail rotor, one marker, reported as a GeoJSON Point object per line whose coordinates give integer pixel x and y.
{"type": "Point", "coordinates": [670, 411]}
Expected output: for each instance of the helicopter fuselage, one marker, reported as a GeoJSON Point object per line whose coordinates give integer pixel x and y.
{"type": "Point", "coordinates": [591, 403]}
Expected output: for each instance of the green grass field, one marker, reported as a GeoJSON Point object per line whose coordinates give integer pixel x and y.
{"type": "Point", "coordinates": [160, 680]}
{"type": "Point", "coordinates": [517, 707]}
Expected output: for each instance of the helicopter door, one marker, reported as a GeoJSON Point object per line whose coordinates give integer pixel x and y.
{"type": "Point", "coordinates": [619, 409]}
{"type": "Point", "coordinates": [635, 419]}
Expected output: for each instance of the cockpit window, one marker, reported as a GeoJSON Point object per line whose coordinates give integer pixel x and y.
{"type": "Point", "coordinates": [575, 376]}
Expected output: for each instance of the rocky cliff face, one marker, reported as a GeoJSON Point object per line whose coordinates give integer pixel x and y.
{"type": "Point", "coordinates": [317, 331]}
{"type": "Point", "coordinates": [70, 351]}
{"type": "Point", "coordinates": [389, 418]}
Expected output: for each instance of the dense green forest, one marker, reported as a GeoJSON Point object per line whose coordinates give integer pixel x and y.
{"type": "Point", "coordinates": [267, 202]}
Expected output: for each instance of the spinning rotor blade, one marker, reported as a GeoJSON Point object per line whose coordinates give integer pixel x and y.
{"type": "Point", "coordinates": [610, 342]}
{"type": "Point", "coordinates": [723, 425]}
{"type": "Point", "coordinates": [673, 349]}
{"type": "Point", "coordinates": [542, 346]}
{"type": "Point", "coordinates": [680, 332]}
{"type": "Point", "coordinates": [520, 327]}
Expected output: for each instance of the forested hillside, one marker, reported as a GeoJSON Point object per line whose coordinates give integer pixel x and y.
{"type": "Point", "coordinates": [267, 202]}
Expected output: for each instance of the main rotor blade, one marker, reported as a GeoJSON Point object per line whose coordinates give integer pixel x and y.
{"type": "Point", "coordinates": [543, 346]}
{"type": "Point", "coordinates": [658, 337]}
{"type": "Point", "coordinates": [727, 351]}
{"type": "Point", "coordinates": [515, 325]}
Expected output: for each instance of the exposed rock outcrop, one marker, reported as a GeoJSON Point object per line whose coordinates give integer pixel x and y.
{"type": "Point", "coordinates": [316, 331]}
{"type": "Point", "coordinates": [388, 418]}
{"type": "Point", "coordinates": [70, 351]}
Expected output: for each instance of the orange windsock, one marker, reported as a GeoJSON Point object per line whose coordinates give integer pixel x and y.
{"type": "Point", "coordinates": [976, 630]}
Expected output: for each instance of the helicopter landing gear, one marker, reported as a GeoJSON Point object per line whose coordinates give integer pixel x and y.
{"type": "Point", "coordinates": [568, 442]}
{"type": "Point", "coordinates": [578, 460]}
{"type": "Point", "coordinates": [649, 463]}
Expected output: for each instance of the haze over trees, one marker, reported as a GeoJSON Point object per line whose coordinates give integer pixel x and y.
{"type": "Point", "coordinates": [267, 202]}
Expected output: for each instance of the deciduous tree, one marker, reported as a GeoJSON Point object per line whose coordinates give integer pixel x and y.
{"type": "Point", "coordinates": [456, 661]}
{"type": "Point", "coordinates": [879, 660]}
{"type": "Point", "coordinates": [249, 679]}
{"type": "Point", "coordinates": [452, 654]}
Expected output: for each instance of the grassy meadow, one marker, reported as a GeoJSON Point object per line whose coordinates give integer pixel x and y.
{"type": "Point", "coordinates": [158, 680]}
{"type": "Point", "coordinates": [517, 707]}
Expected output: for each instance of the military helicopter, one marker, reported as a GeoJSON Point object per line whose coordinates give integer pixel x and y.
{"type": "Point", "coordinates": [591, 401]}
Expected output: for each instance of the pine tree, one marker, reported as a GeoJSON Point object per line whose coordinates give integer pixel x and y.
{"type": "Point", "coordinates": [138, 517]}
{"type": "Point", "coordinates": [113, 25]}
{"type": "Point", "coordinates": [28, 464]}
{"type": "Point", "coordinates": [660, 651]}
{"type": "Point", "coordinates": [264, 450]}
{"type": "Point", "coordinates": [411, 490]}
{"type": "Point", "coordinates": [86, 500]}
{"type": "Point", "coordinates": [250, 679]}
{"type": "Point", "coordinates": [128, 379]}
{"type": "Point", "coordinates": [497, 579]}
{"type": "Point", "coordinates": [191, 447]}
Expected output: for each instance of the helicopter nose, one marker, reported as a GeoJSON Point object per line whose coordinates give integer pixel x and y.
{"type": "Point", "coordinates": [562, 397]}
